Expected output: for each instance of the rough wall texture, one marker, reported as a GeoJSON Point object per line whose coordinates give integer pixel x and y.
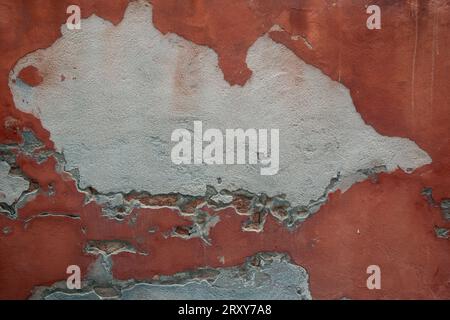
{"type": "Point", "coordinates": [86, 176]}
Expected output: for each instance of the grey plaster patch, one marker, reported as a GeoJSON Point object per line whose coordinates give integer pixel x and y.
{"type": "Point", "coordinates": [11, 187]}
{"type": "Point", "coordinates": [280, 280]}
{"type": "Point", "coordinates": [222, 198]}
{"type": "Point", "coordinates": [263, 276]}
{"type": "Point", "coordinates": [128, 87]}
{"type": "Point", "coordinates": [442, 233]}
{"type": "Point", "coordinates": [445, 208]}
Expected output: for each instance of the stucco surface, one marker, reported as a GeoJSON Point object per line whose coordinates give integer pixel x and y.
{"type": "Point", "coordinates": [310, 67]}
{"type": "Point", "coordinates": [124, 95]}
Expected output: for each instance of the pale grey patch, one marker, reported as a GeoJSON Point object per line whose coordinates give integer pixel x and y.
{"type": "Point", "coordinates": [264, 276]}
{"type": "Point", "coordinates": [279, 280]}
{"type": "Point", "coordinates": [11, 187]}
{"type": "Point", "coordinates": [128, 87]}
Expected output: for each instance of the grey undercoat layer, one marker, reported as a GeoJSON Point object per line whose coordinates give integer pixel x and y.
{"type": "Point", "coordinates": [276, 277]}
{"type": "Point", "coordinates": [127, 87]}
{"type": "Point", "coordinates": [11, 187]}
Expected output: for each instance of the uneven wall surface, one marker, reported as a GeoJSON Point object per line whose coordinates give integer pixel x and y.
{"type": "Point", "coordinates": [87, 176]}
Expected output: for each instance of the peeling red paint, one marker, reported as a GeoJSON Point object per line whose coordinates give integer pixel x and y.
{"type": "Point", "coordinates": [32, 26]}
{"type": "Point", "coordinates": [66, 198]}
{"type": "Point", "coordinates": [385, 223]}
{"type": "Point", "coordinates": [38, 253]}
{"type": "Point", "coordinates": [395, 232]}
{"type": "Point", "coordinates": [399, 83]}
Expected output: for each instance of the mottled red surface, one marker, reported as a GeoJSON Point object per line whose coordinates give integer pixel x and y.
{"type": "Point", "coordinates": [38, 252]}
{"type": "Point", "coordinates": [382, 223]}
{"type": "Point", "coordinates": [398, 77]}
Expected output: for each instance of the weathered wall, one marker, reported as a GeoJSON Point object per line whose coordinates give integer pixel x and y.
{"type": "Point", "coordinates": [85, 169]}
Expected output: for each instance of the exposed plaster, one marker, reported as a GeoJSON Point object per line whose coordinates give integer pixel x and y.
{"type": "Point", "coordinates": [263, 276]}
{"type": "Point", "coordinates": [114, 114]}
{"type": "Point", "coordinates": [11, 186]}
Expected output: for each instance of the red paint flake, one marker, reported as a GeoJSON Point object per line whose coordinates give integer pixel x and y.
{"type": "Point", "coordinates": [31, 76]}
